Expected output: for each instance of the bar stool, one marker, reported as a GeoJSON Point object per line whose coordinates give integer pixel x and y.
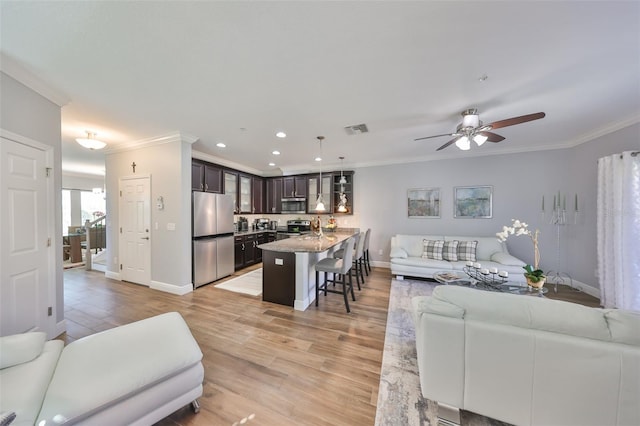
{"type": "Point", "coordinates": [339, 267]}
{"type": "Point", "coordinates": [367, 263]}
{"type": "Point", "coordinates": [358, 257]}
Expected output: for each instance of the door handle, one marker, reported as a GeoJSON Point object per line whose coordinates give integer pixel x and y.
{"type": "Point", "coordinates": [145, 238]}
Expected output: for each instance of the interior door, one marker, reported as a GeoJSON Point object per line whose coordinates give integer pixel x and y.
{"type": "Point", "coordinates": [25, 244]}
{"type": "Point", "coordinates": [135, 238]}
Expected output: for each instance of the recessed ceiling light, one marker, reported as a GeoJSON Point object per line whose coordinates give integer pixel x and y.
{"type": "Point", "coordinates": [272, 164]}
{"type": "Point", "coordinates": [275, 152]}
{"type": "Point", "coordinates": [318, 159]}
{"type": "Point", "coordinates": [281, 134]}
{"type": "Point", "coordinates": [221, 145]}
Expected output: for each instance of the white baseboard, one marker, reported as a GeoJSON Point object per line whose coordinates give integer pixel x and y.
{"type": "Point", "coordinates": [170, 288]}
{"type": "Point", "coordinates": [112, 275]}
{"type": "Point", "coordinates": [60, 327]}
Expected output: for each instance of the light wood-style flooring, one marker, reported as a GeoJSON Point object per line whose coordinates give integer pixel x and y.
{"type": "Point", "coordinates": [265, 364]}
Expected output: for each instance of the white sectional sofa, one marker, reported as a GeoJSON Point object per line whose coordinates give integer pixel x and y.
{"type": "Point", "coordinates": [528, 360]}
{"type": "Point", "coordinates": [408, 258]}
{"type": "Point", "coordinates": [135, 374]}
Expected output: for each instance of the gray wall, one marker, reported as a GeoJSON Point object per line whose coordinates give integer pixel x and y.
{"type": "Point", "coordinates": [519, 181]}
{"type": "Point", "coordinates": [169, 165]}
{"type": "Point", "coordinates": [29, 114]}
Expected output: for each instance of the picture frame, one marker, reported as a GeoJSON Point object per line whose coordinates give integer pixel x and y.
{"type": "Point", "coordinates": [473, 202]}
{"type": "Point", "coordinates": [423, 203]}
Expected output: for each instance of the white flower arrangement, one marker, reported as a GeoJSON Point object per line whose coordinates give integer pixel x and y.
{"type": "Point", "coordinates": [521, 228]}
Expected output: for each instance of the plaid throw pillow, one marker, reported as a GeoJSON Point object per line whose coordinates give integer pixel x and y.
{"type": "Point", "coordinates": [467, 250]}
{"type": "Point", "coordinates": [432, 249]}
{"type": "Point", "coordinates": [450, 251]}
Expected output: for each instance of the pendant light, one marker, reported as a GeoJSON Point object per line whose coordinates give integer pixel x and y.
{"type": "Point", "coordinates": [320, 202]}
{"type": "Point", "coordinates": [91, 142]}
{"type": "Point", "coordinates": [342, 204]}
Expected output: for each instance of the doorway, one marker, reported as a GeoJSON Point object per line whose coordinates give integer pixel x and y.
{"type": "Point", "coordinates": [135, 236]}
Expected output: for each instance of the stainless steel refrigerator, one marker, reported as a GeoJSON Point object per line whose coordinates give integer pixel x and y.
{"type": "Point", "coordinates": [213, 255]}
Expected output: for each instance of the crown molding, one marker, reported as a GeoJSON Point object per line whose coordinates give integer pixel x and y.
{"type": "Point", "coordinates": [154, 141]}
{"type": "Point", "coordinates": [18, 72]}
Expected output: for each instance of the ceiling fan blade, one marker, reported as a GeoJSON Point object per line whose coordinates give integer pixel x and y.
{"type": "Point", "coordinates": [492, 137]}
{"type": "Point", "coordinates": [436, 136]}
{"type": "Point", "coordinates": [447, 144]}
{"type": "Point", "coordinates": [515, 120]}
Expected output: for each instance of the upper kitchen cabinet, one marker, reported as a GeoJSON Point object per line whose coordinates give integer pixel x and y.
{"type": "Point", "coordinates": [294, 187]}
{"type": "Point", "coordinates": [244, 194]}
{"type": "Point", "coordinates": [258, 203]}
{"type": "Point", "coordinates": [342, 187]}
{"type": "Point", "coordinates": [206, 177]}
{"type": "Point", "coordinates": [231, 188]}
{"type": "Point", "coordinates": [274, 195]}
{"type": "Point", "coordinates": [314, 187]}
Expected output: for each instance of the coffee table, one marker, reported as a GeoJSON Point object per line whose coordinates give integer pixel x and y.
{"type": "Point", "coordinates": [461, 279]}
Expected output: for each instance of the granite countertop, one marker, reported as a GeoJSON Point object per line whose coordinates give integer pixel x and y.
{"type": "Point", "coordinates": [307, 243]}
{"type": "Point", "coordinates": [252, 231]}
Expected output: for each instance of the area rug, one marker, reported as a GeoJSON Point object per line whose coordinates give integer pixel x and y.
{"type": "Point", "coordinates": [400, 400]}
{"type": "Point", "coordinates": [249, 283]}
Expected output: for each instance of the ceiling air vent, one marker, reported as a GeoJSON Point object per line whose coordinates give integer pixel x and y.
{"type": "Point", "coordinates": [356, 129]}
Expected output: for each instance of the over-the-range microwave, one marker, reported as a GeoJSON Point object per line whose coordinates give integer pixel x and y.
{"type": "Point", "coordinates": [294, 205]}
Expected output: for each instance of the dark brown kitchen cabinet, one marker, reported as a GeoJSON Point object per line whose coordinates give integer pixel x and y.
{"type": "Point", "coordinates": [346, 188]}
{"type": "Point", "coordinates": [244, 194]}
{"type": "Point", "coordinates": [274, 195]}
{"type": "Point", "coordinates": [294, 186]}
{"type": "Point", "coordinates": [246, 251]}
{"type": "Point", "coordinates": [257, 195]}
{"type": "Point", "coordinates": [206, 177]}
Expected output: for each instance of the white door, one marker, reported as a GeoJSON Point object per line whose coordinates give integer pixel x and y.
{"type": "Point", "coordinates": [135, 219]}
{"type": "Point", "coordinates": [25, 243]}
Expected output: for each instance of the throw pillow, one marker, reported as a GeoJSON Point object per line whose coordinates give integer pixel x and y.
{"type": "Point", "coordinates": [432, 249]}
{"type": "Point", "coordinates": [450, 251]}
{"type": "Point", "coordinates": [20, 348]}
{"type": "Point", "coordinates": [467, 250]}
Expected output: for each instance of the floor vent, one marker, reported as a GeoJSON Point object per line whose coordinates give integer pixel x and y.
{"type": "Point", "coordinates": [356, 129]}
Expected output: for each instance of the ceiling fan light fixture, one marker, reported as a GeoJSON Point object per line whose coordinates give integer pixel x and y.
{"type": "Point", "coordinates": [90, 142]}
{"type": "Point", "coordinates": [463, 143]}
{"type": "Point", "coordinates": [480, 139]}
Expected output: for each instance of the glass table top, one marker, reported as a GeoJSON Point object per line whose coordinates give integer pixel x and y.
{"type": "Point", "coordinates": [459, 278]}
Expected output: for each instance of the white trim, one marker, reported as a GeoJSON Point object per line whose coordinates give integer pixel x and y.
{"type": "Point", "coordinates": [112, 275]}
{"type": "Point", "coordinates": [19, 73]}
{"type": "Point", "coordinates": [25, 141]}
{"type": "Point", "coordinates": [222, 162]}
{"type": "Point", "coordinates": [154, 141]}
{"type": "Point", "coordinates": [170, 288]}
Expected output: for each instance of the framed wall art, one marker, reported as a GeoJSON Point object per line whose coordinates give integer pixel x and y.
{"type": "Point", "coordinates": [473, 202]}
{"type": "Point", "coordinates": [423, 203]}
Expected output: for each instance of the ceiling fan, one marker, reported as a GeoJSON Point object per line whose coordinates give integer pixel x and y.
{"type": "Point", "coordinates": [472, 128]}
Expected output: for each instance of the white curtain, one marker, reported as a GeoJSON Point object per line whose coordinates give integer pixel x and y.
{"type": "Point", "coordinates": [618, 218]}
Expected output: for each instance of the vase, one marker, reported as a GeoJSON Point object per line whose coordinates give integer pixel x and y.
{"type": "Point", "coordinates": [539, 284]}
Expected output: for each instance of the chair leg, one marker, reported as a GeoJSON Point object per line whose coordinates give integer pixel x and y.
{"type": "Point", "coordinates": [353, 296]}
{"type": "Point", "coordinates": [364, 264]}
{"type": "Point", "coordinates": [317, 287]}
{"type": "Point", "coordinates": [344, 291]}
{"type": "Point", "coordinates": [355, 266]}
{"type": "Point", "coordinates": [367, 261]}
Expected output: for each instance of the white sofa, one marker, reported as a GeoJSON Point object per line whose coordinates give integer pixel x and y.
{"type": "Point", "coordinates": [135, 374]}
{"type": "Point", "coordinates": [528, 360]}
{"type": "Point", "coordinates": [406, 257]}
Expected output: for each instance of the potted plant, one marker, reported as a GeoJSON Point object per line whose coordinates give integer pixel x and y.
{"type": "Point", "coordinates": [535, 277]}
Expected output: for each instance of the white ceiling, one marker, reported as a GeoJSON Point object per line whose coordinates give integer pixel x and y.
{"type": "Point", "coordinates": [237, 72]}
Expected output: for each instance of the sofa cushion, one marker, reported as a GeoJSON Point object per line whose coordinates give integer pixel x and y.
{"type": "Point", "coordinates": [398, 252]}
{"type": "Point", "coordinates": [450, 251]}
{"type": "Point", "coordinates": [20, 348]}
{"type": "Point", "coordinates": [432, 249]}
{"type": "Point", "coordinates": [23, 386]}
{"type": "Point", "coordinates": [99, 370]}
{"type": "Point", "coordinates": [412, 244]}
{"type": "Point", "coordinates": [624, 326]}
{"type": "Point", "coordinates": [422, 262]}
{"type": "Point", "coordinates": [467, 251]}
{"type": "Point", "coordinates": [527, 312]}
{"type": "Point", "coordinates": [506, 259]}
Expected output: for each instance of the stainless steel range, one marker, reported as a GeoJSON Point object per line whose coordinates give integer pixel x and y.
{"type": "Point", "coordinates": [294, 228]}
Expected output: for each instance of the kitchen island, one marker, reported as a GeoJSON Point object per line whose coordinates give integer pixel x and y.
{"type": "Point", "coordinates": [288, 274]}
